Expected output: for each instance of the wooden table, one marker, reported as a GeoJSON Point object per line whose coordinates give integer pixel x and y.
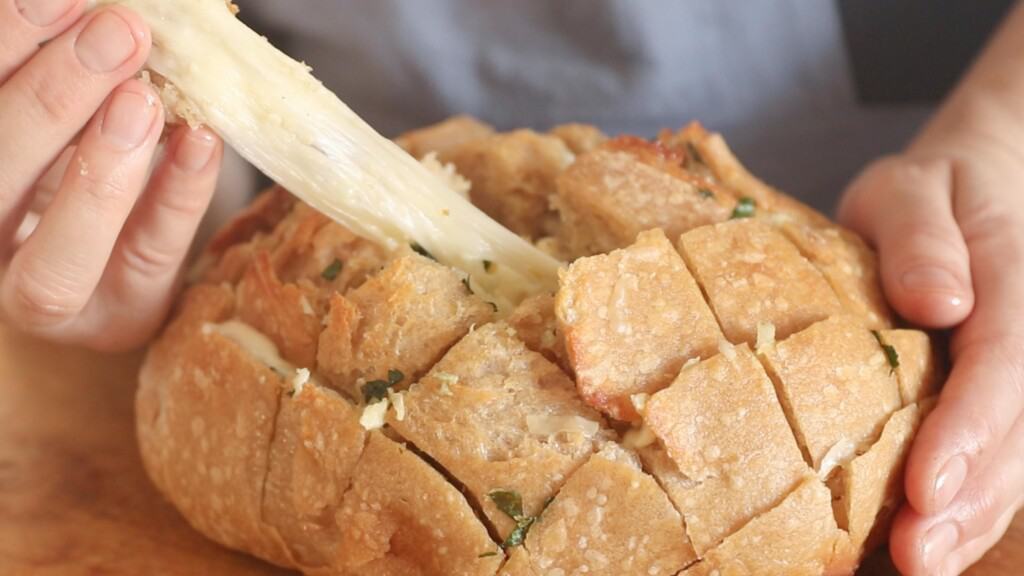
{"type": "Point", "coordinates": [74, 499]}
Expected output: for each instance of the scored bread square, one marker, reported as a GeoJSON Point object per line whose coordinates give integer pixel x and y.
{"type": "Point", "coordinates": [579, 138]}
{"type": "Point", "coordinates": [916, 368]}
{"type": "Point", "coordinates": [518, 564]}
{"type": "Point", "coordinates": [612, 193]}
{"type": "Point", "coordinates": [400, 516]}
{"type": "Point", "coordinates": [610, 519]}
{"type": "Point", "coordinates": [513, 178]}
{"type": "Point", "coordinates": [753, 275]}
{"type": "Point", "coordinates": [850, 267]}
{"type": "Point", "coordinates": [871, 484]}
{"type": "Point", "coordinates": [403, 318]}
{"type": "Point", "coordinates": [836, 385]}
{"type": "Point", "coordinates": [727, 435]}
{"type": "Point", "coordinates": [800, 535]}
{"type": "Point", "coordinates": [535, 324]}
{"type": "Point", "coordinates": [631, 318]}
{"type": "Point", "coordinates": [499, 416]}
{"type": "Point", "coordinates": [317, 442]}
{"type": "Point", "coordinates": [443, 137]}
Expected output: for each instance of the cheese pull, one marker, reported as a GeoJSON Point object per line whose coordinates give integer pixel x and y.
{"type": "Point", "coordinates": [215, 71]}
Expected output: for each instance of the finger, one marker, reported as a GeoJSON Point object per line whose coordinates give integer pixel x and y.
{"type": "Point", "coordinates": [972, 551]}
{"type": "Point", "coordinates": [144, 268]}
{"type": "Point", "coordinates": [52, 276]}
{"type": "Point", "coordinates": [923, 544]}
{"type": "Point", "coordinates": [55, 94]}
{"type": "Point", "coordinates": [904, 207]}
{"type": "Point", "coordinates": [25, 24]}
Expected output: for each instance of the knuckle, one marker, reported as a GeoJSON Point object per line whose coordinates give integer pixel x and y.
{"type": "Point", "coordinates": [35, 302]}
{"type": "Point", "coordinates": [148, 259]}
{"type": "Point", "coordinates": [100, 191]}
{"type": "Point", "coordinates": [52, 102]}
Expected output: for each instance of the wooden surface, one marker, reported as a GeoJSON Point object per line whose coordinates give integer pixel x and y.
{"type": "Point", "coordinates": [74, 499]}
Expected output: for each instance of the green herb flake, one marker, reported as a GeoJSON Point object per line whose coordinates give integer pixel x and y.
{"type": "Point", "coordinates": [375, 390]}
{"type": "Point", "coordinates": [488, 265]}
{"type": "Point", "coordinates": [509, 502]}
{"type": "Point", "coordinates": [395, 376]}
{"type": "Point", "coordinates": [487, 554]}
{"type": "Point", "coordinates": [417, 248]}
{"type": "Point", "coordinates": [744, 208]}
{"type": "Point", "coordinates": [890, 352]}
{"type": "Point", "coordinates": [706, 193]}
{"type": "Point", "coordinates": [332, 270]}
{"type": "Point", "coordinates": [518, 534]}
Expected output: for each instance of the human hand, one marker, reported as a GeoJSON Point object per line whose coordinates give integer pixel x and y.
{"type": "Point", "coordinates": [947, 219]}
{"type": "Point", "coordinates": [101, 265]}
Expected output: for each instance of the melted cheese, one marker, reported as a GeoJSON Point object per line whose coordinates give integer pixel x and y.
{"type": "Point", "coordinates": [273, 111]}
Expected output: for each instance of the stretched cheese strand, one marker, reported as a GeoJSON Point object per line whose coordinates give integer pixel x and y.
{"type": "Point", "coordinates": [286, 123]}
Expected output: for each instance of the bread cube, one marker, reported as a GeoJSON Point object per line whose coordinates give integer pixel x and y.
{"type": "Point", "coordinates": [444, 137]}
{"type": "Point", "coordinates": [631, 319]}
{"type": "Point", "coordinates": [403, 318]}
{"type": "Point", "coordinates": [535, 324]}
{"type": "Point", "coordinates": [579, 138]}
{"type": "Point", "coordinates": [916, 363]}
{"type": "Point", "coordinates": [317, 443]}
{"type": "Point", "coordinates": [753, 275]}
{"type": "Point", "coordinates": [728, 439]}
{"type": "Point", "coordinates": [836, 385]}
{"type": "Point", "coordinates": [800, 532]}
{"type": "Point", "coordinates": [850, 267]}
{"type": "Point", "coordinates": [627, 186]}
{"type": "Point", "coordinates": [591, 526]}
{"type": "Point", "coordinates": [513, 178]}
{"type": "Point", "coordinates": [499, 416]}
{"type": "Point", "coordinates": [400, 516]}
{"type": "Point", "coordinates": [870, 487]}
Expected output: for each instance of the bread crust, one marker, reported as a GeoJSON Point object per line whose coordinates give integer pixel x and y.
{"type": "Point", "coordinates": [737, 402]}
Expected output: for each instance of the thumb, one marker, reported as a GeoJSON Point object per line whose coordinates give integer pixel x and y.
{"type": "Point", "coordinates": [904, 208]}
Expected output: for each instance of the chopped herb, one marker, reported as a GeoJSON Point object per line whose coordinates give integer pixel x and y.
{"type": "Point", "coordinates": [395, 376]}
{"type": "Point", "coordinates": [465, 282]}
{"type": "Point", "coordinates": [488, 265]}
{"type": "Point", "coordinates": [692, 155]}
{"type": "Point", "coordinates": [509, 502]}
{"type": "Point", "coordinates": [421, 251]}
{"type": "Point", "coordinates": [706, 193]}
{"type": "Point", "coordinates": [744, 208]}
{"type": "Point", "coordinates": [890, 352]}
{"type": "Point", "coordinates": [332, 271]}
{"type": "Point", "coordinates": [487, 554]}
{"type": "Point", "coordinates": [375, 390]}
{"type": "Point", "coordinates": [518, 534]}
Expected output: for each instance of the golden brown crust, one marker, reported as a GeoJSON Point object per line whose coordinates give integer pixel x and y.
{"type": "Point", "coordinates": [513, 178]}
{"type": "Point", "coordinates": [631, 318]}
{"type": "Point", "coordinates": [499, 416]}
{"type": "Point", "coordinates": [267, 457]}
{"type": "Point", "coordinates": [593, 523]}
{"type": "Point", "coordinates": [727, 436]}
{"type": "Point", "coordinates": [444, 137]}
{"type": "Point", "coordinates": [753, 275]}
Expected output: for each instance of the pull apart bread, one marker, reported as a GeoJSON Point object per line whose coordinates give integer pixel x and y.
{"type": "Point", "coordinates": [715, 387]}
{"type": "Point", "coordinates": [543, 354]}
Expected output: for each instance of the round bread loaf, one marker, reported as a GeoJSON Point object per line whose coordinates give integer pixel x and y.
{"type": "Point", "coordinates": [717, 387]}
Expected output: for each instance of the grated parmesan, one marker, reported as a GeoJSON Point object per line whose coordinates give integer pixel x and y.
{"type": "Point", "coordinates": [373, 415]}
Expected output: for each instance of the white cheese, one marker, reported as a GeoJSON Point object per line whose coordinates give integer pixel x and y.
{"type": "Point", "coordinates": [285, 122]}
{"type": "Point", "coordinates": [551, 425]}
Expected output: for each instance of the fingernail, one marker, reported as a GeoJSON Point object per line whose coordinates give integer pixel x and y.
{"type": "Point", "coordinates": [938, 543]}
{"type": "Point", "coordinates": [195, 150]}
{"type": "Point", "coordinates": [947, 484]}
{"type": "Point", "coordinates": [43, 12]}
{"type": "Point", "coordinates": [128, 120]}
{"type": "Point", "coordinates": [106, 43]}
{"type": "Point", "coordinates": [930, 279]}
